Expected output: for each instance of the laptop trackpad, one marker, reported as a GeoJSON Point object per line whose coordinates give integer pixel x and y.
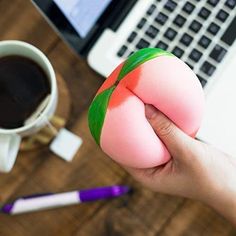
{"type": "Point", "coordinates": [219, 124]}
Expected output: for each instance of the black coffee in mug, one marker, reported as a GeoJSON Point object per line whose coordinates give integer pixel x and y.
{"type": "Point", "coordinates": [23, 87]}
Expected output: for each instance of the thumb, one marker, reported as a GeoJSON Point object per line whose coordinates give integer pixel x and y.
{"type": "Point", "coordinates": [174, 139]}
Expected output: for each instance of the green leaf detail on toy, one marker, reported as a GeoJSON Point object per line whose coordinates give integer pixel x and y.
{"type": "Point", "coordinates": [97, 112]}
{"type": "Point", "coordinates": [139, 58]}
{"type": "Point", "coordinates": [98, 108]}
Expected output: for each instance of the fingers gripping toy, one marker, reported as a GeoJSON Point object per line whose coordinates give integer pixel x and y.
{"type": "Point", "coordinates": [117, 114]}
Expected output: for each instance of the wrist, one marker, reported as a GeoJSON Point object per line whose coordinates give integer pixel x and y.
{"type": "Point", "coordinates": [224, 202]}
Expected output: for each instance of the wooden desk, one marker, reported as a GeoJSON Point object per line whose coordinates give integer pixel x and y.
{"type": "Point", "coordinates": [144, 213]}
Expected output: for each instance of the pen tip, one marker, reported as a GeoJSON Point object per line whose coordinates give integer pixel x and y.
{"type": "Point", "coordinates": [120, 190]}
{"type": "Point", "coordinates": [7, 208]}
{"type": "Point", "coordinates": [126, 189]}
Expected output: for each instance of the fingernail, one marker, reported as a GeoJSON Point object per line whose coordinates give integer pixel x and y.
{"type": "Point", "coordinates": [150, 111]}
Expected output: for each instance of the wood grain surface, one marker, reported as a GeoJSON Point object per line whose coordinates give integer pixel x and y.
{"type": "Point", "coordinates": [144, 213]}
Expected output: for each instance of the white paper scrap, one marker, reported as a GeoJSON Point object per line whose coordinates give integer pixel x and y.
{"type": "Point", "coordinates": [66, 144]}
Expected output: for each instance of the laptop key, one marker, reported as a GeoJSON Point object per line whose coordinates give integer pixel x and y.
{"type": "Point", "coordinates": [202, 81]}
{"type": "Point", "coordinates": [195, 26]}
{"type": "Point", "coordinates": [191, 66]}
{"type": "Point", "coordinates": [195, 55]}
{"type": "Point", "coordinates": [151, 9]}
{"type": "Point", "coordinates": [170, 5]}
{"type": "Point", "coordinates": [188, 7]}
{"type": "Point", "coordinates": [122, 51]}
{"type": "Point", "coordinates": [204, 42]}
{"type": "Point", "coordinates": [131, 53]}
{"type": "Point", "coordinates": [179, 20]}
{"type": "Point", "coordinates": [178, 52]}
{"type": "Point", "coordinates": [170, 33]}
{"type": "Point", "coordinates": [218, 53]}
{"type": "Point", "coordinates": [213, 28]}
{"type": "Point", "coordinates": [230, 34]}
{"type": "Point", "coordinates": [161, 18]}
{"type": "Point", "coordinates": [162, 45]}
{"type": "Point", "coordinates": [230, 3]}
{"type": "Point", "coordinates": [152, 31]}
{"type": "Point", "coordinates": [186, 39]}
{"type": "Point", "coordinates": [208, 68]}
{"type": "Point", "coordinates": [204, 13]}
{"type": "Point", "coordinates": [213, 2]}
{"type": "Point", "coordinates": [141, 23]}
{"type": "Point", "coordinates": [142, 44]}
{"type": "Point", "coordinates": [222, 15]}
{"type": "Point", "coordinates": [131, 37]}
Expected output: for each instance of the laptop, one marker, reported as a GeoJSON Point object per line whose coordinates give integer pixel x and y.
{"type": "Point", "coordinates": [200, 32]}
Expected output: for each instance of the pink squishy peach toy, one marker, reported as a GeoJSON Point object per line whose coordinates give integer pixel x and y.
{"type": "Point", "coordinates": [117, 114]}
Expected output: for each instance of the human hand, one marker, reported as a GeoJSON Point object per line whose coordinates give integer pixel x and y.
{"type": "Point", "coordinates": [196, 170]}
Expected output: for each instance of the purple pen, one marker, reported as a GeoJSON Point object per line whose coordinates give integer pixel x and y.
{"type": "Point", "coordinates": [47, 201]}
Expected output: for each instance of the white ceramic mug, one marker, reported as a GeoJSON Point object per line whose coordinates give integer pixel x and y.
{"type": "Point", "coordinates": [10, 138]}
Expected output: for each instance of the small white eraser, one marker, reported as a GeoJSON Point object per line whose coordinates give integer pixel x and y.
{"type": "Point", "coordinates": [66, 144]}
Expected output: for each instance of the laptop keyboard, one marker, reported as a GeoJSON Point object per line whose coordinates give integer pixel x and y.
{"type": "Point", "coordinates": [200, 32]}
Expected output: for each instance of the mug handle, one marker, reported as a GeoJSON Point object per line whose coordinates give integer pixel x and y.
{"type": "Point", "coordinates": [9, 146]}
